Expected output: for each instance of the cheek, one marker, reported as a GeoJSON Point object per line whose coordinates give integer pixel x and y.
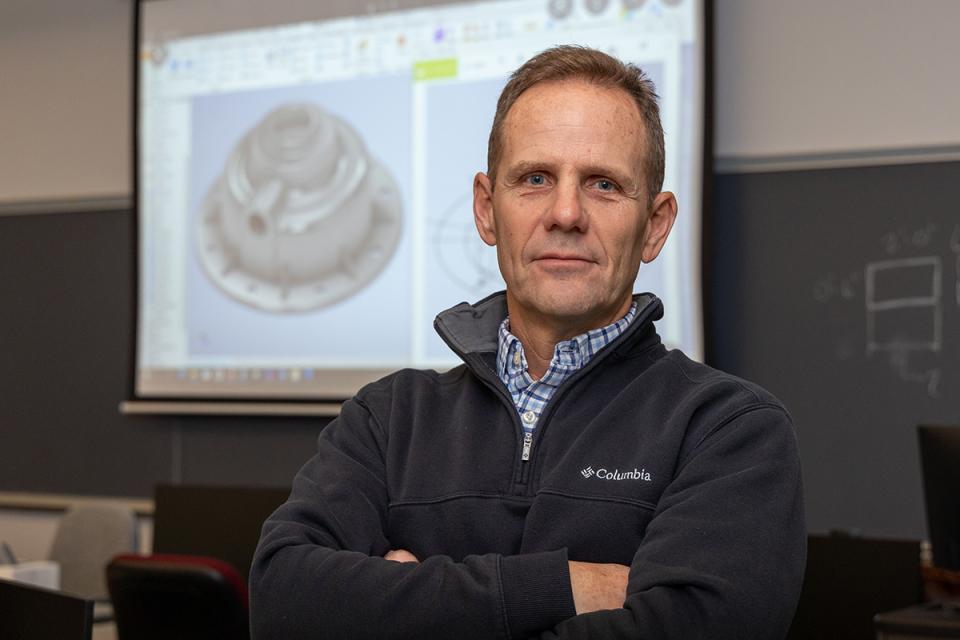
{"type": "Point", "coordinates": [507, 257]}
{"type": "Point", "coordinates": [618, 236]}
{"type": "Point", "coordinates": [514, 241]}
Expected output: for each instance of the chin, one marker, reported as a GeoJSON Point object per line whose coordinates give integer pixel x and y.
{"type": "Point", "coordinates": [572, 304]}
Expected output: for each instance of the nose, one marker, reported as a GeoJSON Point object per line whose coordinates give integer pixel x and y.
{"type": "Point", "coordinates": [566, 212]}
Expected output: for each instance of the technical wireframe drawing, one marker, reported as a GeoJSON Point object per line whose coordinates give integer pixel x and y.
{"type": "Point", "coordinates": [465, 258]}
{"type": "Point", "coordinates": [301, 217]}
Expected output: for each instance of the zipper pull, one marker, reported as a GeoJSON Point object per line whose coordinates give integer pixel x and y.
{"type": "Point", "coordinates": [527, 445]}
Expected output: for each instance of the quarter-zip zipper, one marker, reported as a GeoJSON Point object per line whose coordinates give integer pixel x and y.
{"type": "Point", "coordinates": [527, 445]}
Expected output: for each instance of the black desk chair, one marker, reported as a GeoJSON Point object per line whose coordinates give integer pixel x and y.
{"type": "Point", "coordinates": [159, 597]}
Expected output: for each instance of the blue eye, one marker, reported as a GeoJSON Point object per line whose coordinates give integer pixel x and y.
{"type": "Point", "coordinates": [605, 185]}
{"type": "Point", "coordinates": [537, 180]}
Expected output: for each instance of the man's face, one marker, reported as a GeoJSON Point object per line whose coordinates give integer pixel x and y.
{"type": "Point", "coordinates": [569, 213]}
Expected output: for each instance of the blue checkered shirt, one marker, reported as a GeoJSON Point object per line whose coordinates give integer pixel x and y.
{"type": "Point", "coordinates": [531, 396]}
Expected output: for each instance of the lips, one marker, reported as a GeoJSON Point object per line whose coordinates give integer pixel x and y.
{"type": "Point", "coordinates": [563, 257]}
{"type": "Point", "coordinates": [564, 263]}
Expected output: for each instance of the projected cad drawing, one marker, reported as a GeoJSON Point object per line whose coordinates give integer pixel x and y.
{"type": "Point", "coordinates": [465, 258]}
{"type": "Point", "coordinates": [301, 216]}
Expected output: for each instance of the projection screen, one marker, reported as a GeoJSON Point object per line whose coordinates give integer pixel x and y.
{"type": "Point", "coordinates": [303, 180]}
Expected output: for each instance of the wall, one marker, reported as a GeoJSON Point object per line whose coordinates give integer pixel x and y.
{"type": "Point", "coordinates": [821, 77]}
{"type": "Point", "coordinates": [792, 78]}
{"type": "Point", "coordinates": [64, 99]}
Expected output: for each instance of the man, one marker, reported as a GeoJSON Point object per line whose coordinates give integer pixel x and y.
{"type": "Point", "coordinates": [573, 479]}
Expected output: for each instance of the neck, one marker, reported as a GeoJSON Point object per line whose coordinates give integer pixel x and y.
{"type": "Point", "coordinates": [539, 333]}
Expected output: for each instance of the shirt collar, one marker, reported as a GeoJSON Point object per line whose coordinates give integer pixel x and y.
{"type": "Point", "coordinates": [568, 355]}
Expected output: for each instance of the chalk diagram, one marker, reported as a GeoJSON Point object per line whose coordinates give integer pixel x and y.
{"type": "Point", "coordinates": [905, 314]}
{"type": "Point", "coordinates": [465, 259]}
{"type": "Point", "coordinates": [301, 217]}
{"type": "Point", "coordinates": [904, 300]}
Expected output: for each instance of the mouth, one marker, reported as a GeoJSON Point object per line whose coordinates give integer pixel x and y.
{"type": "Point", "coordinates": [563, 260]}
{"type": "Point", "coordinates": [565, 256]}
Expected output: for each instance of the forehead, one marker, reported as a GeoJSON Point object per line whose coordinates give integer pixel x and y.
{"type": "Point", "coordinates": [574, 116]}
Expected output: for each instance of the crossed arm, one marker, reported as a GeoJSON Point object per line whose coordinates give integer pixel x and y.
{"type": "Point", "coordinates": [595, 586]}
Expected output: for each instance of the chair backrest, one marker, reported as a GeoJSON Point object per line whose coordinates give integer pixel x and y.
{"type": "Point", "coordinates": [88, 536]}
{"type": "Point", "coordinates": [166, 596]}
{"type": "Point", "coordinates": [220, 522]}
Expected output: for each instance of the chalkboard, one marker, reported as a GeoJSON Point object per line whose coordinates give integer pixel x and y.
{"type": "Point", "coordinates": [839, 290]}
{"type": "Point", "coordinates": [66, 331]}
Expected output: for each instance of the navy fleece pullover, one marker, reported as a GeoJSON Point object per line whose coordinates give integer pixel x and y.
{"type": "Point", "coordinates": [644, 458]}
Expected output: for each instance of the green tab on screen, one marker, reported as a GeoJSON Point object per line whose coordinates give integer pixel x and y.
{"type": "Point", "coordinates": [435, 69]}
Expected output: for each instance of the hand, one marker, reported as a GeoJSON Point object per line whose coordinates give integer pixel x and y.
{"type": "Point", "coordinates": [597, 587]}
{"type": "Point", "coordinates": [400, 555]}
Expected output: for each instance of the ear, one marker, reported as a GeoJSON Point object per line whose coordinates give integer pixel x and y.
{"type": "Point", "coordinates": [663, 213]}
{"type": "Point", "coordinates": [483, 208]}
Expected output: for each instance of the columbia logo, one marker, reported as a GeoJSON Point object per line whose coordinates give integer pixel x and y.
{"type": "Point", "coordinates": [604, 474]}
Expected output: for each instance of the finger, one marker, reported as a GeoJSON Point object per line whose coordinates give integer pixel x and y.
{"type": "Point", "coordinates": [400, 555]}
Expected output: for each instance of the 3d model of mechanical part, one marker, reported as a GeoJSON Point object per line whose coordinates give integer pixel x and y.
{"type": "Point", "coordinates": [301, 217]}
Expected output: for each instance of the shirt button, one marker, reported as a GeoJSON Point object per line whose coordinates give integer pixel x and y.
{"type": "Point", "coordinates": [516, 358]}
{"type": "Point", "coordinates": [529, 417]}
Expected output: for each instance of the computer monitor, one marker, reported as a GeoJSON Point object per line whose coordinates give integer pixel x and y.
{"type": "Point", "coordinates": [220, 522]}
{"type": "Point", "coordinates": [940, 463]}
{"type": "Point", "coordinates": [33, 612]}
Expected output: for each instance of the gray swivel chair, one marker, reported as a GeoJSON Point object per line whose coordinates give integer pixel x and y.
{"type": "Point", "coordinates": [87, 538]}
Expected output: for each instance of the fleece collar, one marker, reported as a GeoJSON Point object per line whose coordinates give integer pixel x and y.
{"type": "Point", "coordinates": [473, 328]}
